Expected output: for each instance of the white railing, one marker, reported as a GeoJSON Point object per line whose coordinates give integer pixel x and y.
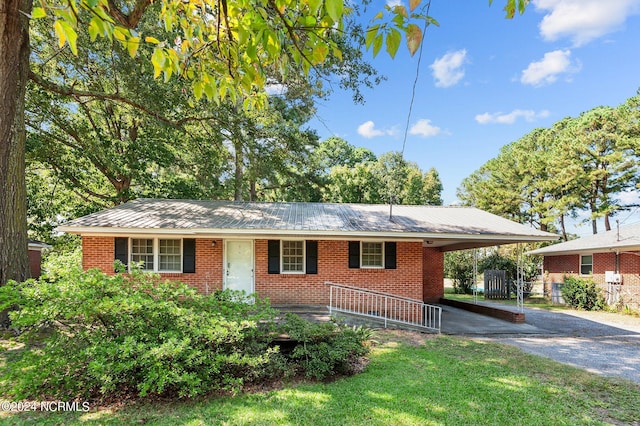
{"type": "Point", "coordinates": [384, 307]}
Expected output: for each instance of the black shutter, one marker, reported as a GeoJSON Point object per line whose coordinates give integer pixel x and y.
{"type": "Point", "coordinates": [189, 256]}
{"type": "Point", "coordinates": [354, 254]}
{"type": "Point", "coordinates": [312, 257]}
{"type": "Point", "coordinates": [121, 249]}
{"type": "Point", "coordinates": [273, 247]}
{"type": "Point", "coordinates": [390, 255]}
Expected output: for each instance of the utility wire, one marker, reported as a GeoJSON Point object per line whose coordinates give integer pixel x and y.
{"type": "Point", "coordinates": [415, 81]}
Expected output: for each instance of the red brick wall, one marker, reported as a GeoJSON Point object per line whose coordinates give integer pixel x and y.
{"type": "Point", "coordinates": [333, 265]}
{"type": "Point", "coordinates": [432, 274]}
{"type": "Point", "coordinates": [406, 280]}
{"type": "Point", "coordinates": [35, 262]}
{"type": "Point", "coordinates": [98, 252]}
{"type": "Point", "coordinates": [557, 267]}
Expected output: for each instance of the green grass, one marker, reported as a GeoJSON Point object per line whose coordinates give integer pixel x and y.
{"type": "Point", "coordinates": [534, 301]}
{"type": "Point", "coordinates": [436, 380]}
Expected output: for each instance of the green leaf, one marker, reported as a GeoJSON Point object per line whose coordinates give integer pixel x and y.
{"type": "Point", "coordinates": [158, 60]}
{"type": "Point", "coordinates": [152, 40]}
{"type": "Point", "coordinates": [414, 38]}
{"type": "Point", "coordinates": [334, 9]}
{"type": "Point", "coordinates": [377, 44]}
{"type": "Point", "coordinates": [393, 42]}
{"type": "Point", "coordinates": [371, 35]}
{"type": "Point", "coordinates": [320, 54]}
{"type": "Point", "coordinates": [66, 34]}
{"type": "Point", "coordinates": [132, 46]}
{"type": "Point", "coordinates": [314, 6]}
{"type": "Point", "coordinates": [38, 13]}
{"type": "Point", "coordinates": [94, 28]}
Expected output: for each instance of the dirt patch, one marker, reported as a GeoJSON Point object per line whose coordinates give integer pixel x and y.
{"type": "Point", "coordinates": [411, 338]}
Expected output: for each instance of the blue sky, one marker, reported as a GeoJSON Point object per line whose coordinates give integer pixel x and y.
{"type": "Point", "coordinates": [485, 81]}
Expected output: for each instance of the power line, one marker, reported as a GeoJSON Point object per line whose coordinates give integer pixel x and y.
{"type": "Point", "coordinates": [415, 81]}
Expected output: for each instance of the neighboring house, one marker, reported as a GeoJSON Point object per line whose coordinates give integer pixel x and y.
{"type": "Point", "coordinates": [611, 259]}
{"type": "Point", "coordinates": [287, 251]}
{"type": "Point", "coordinates": [35, 257]}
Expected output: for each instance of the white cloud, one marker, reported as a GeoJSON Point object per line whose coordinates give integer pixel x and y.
{"type": "Point", "coordinates": [368, 130]}
{"type": "Point", "coordinates": [511, 117]}
{"type": "Point", "coordinates": [447, 70]}
{"type": "Point", "coordinates": [275, 89]}
{"type": "Point", "coordinates": [424, 128]}
{"type": "Point", "coordinates": [583, 20]}
{"type": "Point", "coordinates": [392, 3]}
{"type": "Point", "coordinates": [547, 70]}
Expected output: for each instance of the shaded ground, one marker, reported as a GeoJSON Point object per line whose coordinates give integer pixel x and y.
{"type": "Point", "coordinates": [600, 342]}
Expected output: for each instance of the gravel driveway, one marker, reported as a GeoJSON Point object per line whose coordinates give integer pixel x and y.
{"type": "Point", "coordinates": [600, 342]}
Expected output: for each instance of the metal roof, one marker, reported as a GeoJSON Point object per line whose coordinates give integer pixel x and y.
{"type": "Point", "coordinates": [626, 238]}
{"type": "Point", "coordinates": [442, 226]}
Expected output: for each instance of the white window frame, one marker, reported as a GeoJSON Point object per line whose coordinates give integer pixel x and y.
{"type": "Point", "coordinates": [181, 254]}
{"type": "Point", "coordinates": [153, 250]}
{"type": "Point", "coordinates": [381, 266]}
{"type": "Point", "coordinates": [304, 257]}
{"type": "Point", "coordinates": [156, 254]}
{"type": "Point", "coordinates": [580, 266]}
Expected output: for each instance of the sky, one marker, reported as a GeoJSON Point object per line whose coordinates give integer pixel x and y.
{"type": "Point", "coordinates": [485, 81]}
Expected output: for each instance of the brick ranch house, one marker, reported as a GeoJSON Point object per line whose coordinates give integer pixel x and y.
{"type": "Point", "coordinates": [287, 251]}
{"type": "Point", "coordinates": [611, 259]}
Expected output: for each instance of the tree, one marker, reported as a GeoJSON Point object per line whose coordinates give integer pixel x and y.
{"type": "Point", "coordinates": [580, 163]}
{"type": "Point", "coordinates": [605, 159]}
{"type": "Point", "coordinates": [360, 177]}
{"type": "Point", "coordinates": [222, 47]}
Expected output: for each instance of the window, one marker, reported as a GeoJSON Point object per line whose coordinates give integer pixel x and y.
{"type": "Point", "coordinates": [170, 257]}
{"type": "Point", "coordinates": [142, 251]}
{"type": "Point", "coordinates": [586, 264]}
{"type": "Point", "coordinates": [157, 255]}
{"type": "Point", "coordinates": [372, 255]}
{"type": "Point", "coordinates": [293, 257]}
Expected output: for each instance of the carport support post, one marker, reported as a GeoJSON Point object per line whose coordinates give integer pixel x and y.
{"type": "Point", "coordinates": [475, 275]}
{"type": "Point", "coordinates": [520, 278]}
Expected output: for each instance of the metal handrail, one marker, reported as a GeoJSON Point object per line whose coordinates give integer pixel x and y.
{"type": "Point", "coordinates": [382, 306]}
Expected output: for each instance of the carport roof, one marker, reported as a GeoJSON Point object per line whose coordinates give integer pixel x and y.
{"type": "Point", "coordinates": [626, 238]}
{"type": "Point", "coordinates": [451, 228]}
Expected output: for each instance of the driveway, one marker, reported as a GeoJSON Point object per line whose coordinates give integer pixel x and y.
{"type": "Point", "coordinates": [599, 342]}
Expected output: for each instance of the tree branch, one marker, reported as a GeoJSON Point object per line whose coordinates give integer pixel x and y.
{"type": "Point", "coordinates": [71, 92]}
{"type": "Point", "coordinates": [131, 20]}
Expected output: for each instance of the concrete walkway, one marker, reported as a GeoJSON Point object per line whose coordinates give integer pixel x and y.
{"type": "Point", "coordinates": [599, 342]}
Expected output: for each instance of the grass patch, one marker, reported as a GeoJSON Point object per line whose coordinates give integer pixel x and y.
{"type": "Point", "coordinates": [534, 301]}
{"type": "Point", "coordinates": [412, 379]}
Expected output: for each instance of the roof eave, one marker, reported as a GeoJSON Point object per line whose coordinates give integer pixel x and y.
{"type": "Point", "coordinates": [396, 235]}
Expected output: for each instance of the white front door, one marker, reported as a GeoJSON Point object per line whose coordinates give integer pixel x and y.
{"type": "Point", "coordinates": [239, 265]}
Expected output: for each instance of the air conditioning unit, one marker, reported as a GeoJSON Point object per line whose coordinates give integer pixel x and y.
{"type": "Point", "coordinates": [612, 277]}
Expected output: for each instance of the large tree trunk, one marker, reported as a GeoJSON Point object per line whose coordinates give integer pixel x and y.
{"type": "Point", "coordinates": [14, 66]}
{"type": "Point", "coordinates": [563, 228]}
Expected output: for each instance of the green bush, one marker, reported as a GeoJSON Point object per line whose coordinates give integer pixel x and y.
{"type": "Point", "coordinates": [458, 266]}
{"type": "Point", "coordinates": [582, 294]}
{"type": "Point", "coordinates": [325, 349]}
{"type": "Point", "coordinates": [89, 334]}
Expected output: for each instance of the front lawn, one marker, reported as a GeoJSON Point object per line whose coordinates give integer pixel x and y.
{"type": "Point", "coordinates": [412, 379]}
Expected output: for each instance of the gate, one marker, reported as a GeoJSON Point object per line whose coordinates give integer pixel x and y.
{"type": "Point", "coordinates": [496, 285]}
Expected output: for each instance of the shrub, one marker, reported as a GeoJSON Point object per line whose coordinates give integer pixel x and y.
{"type": "Point", "coordinates": [458, 266]}
{"type": "Point", "coordinates": [89, 334]}
{"type": "Point", "coordinates": [582, 294]}
{"type": "Point", "coordinates": [325, 349]}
